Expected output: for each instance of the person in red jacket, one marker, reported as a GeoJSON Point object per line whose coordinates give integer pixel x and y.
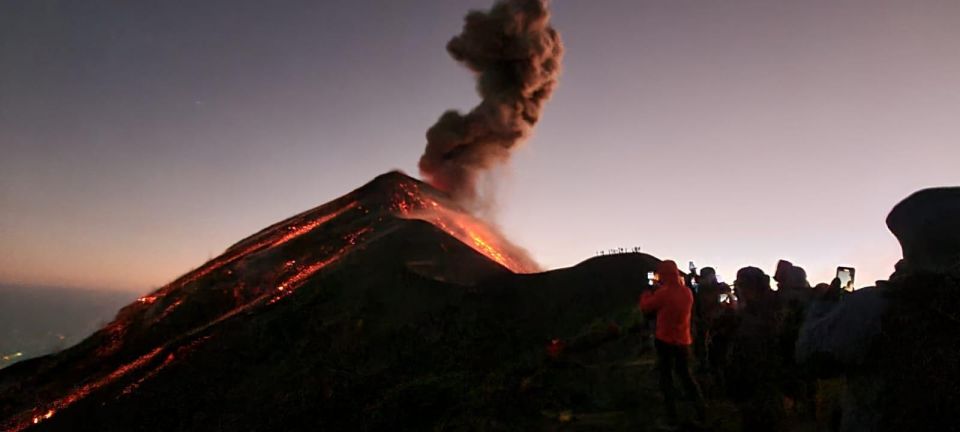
{"type": "Point", "coordinates": [672, 301]}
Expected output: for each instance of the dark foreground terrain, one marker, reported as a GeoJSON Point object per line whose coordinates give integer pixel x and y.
{"type": "Point", "coordinates": [362, 314]}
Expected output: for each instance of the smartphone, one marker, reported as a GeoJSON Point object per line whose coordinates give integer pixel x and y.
{"type": "Point", "coordinates": [693, 268]}
{"type": "Point", "coordinates": [846, 276]}
{"type": "Point", "coordinates": [652, 278]}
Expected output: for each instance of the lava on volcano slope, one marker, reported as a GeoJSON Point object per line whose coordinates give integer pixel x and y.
{"type": "Point", "coordinates": [257, 272]}
{"type": "Point", "coordinates": [415, 200]}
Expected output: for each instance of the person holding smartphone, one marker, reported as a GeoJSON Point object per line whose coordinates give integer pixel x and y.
{"type": "Point", "coordinates": [672, 301]}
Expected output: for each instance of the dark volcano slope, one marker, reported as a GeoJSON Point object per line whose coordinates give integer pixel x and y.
{"type": "Point", "coordinates": [371, 350]}
{"type": "Point", "coordinates": [361, 321]}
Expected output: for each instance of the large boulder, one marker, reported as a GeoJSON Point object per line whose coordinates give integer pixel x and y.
{"type": "Point", "coordinates": [927, 224]}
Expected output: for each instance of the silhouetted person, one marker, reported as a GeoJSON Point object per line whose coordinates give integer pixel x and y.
{"type": "Point", "coordinates": [672, 301]}
{"type": "Point", "coordinates": [754, 374]}
{"type": "Point", "coordinates": [792, 285]}
{"type": "Point", "coordinates": [897, 343]}
{"type": "Point", "coordinates": [828, 389]}
{"type": "Point", "coordinates": [713, 303]}
{"type": "Point", "coordinates": [794, 295]}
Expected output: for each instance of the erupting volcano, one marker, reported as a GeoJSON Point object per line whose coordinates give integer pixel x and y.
{"type": "Point", "coordinates": [257, 273]}
{"type": "Point", "coordinates": [339, 311]}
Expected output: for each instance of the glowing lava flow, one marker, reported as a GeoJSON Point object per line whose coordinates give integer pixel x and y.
{"type": "Point", "coordinates": [241, 249]}
{"type": "Point", "coordinates": [294, 282]}
{"type": "Point", "coordinates": [412, 203]}
{"type": "Point", "coordinates": [180, 352]}
{"type": "Point", "coordinates": [295, 231]}
{"type": "Point", "coordinates": [288, 285]}
{"type": "Point", "coordinates": [38, 415]}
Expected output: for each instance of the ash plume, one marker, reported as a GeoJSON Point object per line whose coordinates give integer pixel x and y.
{"type": "Point", "coordinates": [516, 55]}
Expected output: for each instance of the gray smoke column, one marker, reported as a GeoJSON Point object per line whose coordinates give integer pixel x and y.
{"type": "Point", "coordinates": [516, 55]}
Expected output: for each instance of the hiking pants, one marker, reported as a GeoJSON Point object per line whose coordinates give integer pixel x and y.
{"type": "Point", "coordinates": [675, 359]}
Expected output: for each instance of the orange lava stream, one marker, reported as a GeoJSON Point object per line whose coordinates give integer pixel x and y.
{"type": "Point", "coordinates": [294, 282]}
{"type": "Point", "coordinates": [293, 231]}
{"type": "Point", "coordinates": [287, 287]}
{"type": "Point", "coordinates": [180, 352]}
{"type": "Point", "coordinates": [297, 231]}
{"type": "Point", "coordinates": [411, 203]}
{"type": "Point", "coordinates": [38, 415]}
{"type": "Point", "coordinates": [487, 249]}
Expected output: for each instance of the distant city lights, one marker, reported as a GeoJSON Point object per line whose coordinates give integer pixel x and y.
{"type": "Point", "coordinates": [11, 357]}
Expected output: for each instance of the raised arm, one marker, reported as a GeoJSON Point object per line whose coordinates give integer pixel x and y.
{"type": "Point", "coordinates": [650, 300]}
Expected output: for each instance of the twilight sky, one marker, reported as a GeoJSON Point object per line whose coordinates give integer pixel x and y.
{"type": "Point", "coordinates": [138, 139]}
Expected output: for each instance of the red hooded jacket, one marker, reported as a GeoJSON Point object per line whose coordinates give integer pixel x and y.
{"type": "Point", "coordinates": [673, 303]}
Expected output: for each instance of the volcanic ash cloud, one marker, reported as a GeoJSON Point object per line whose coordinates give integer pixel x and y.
{"type": "Point", "coordinates": [516, 55]}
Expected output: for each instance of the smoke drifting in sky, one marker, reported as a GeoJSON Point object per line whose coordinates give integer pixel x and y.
{"type": "Point", "coordinates": [516, 55]}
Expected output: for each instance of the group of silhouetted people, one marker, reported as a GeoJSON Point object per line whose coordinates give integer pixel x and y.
{"type": "Point", "coordinates": [739, 337]}
{"type": "Point", "coordinates": [880, 358]}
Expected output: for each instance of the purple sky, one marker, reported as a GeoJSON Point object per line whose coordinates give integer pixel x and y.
{"type": "Point", "coordinates": [138, 139]}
